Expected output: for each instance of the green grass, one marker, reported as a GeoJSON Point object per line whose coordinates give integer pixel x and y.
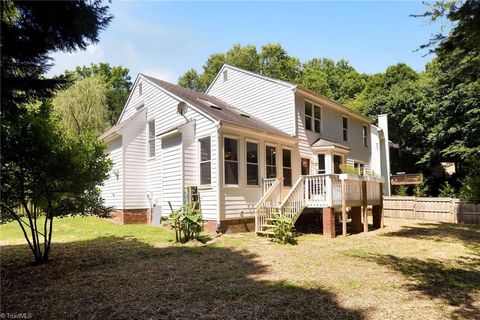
{"type": "Point", "coordinates": [102, 270]}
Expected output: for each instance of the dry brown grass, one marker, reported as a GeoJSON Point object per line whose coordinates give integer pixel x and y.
{"type": "Point", "coordinates": [408, 270]}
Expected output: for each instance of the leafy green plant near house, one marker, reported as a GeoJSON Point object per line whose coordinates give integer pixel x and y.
{"type": "Point", "coordinates": [422, 189]}
{"type": "Point", "coordinates": [345, 168]}
{"type": "Point", "coordinates": [401, 191]}
{"type": "Point", "coordinates": [187, 223]}
{"type": "Point", "coordinates": [283, 230]}
{"type": "Point", "coordinates": [446, 191]}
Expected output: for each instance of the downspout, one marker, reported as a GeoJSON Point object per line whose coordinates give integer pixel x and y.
{"type": "Point", "coordinates": [218, 126]}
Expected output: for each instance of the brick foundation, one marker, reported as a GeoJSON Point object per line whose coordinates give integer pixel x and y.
{"type": "Point", "coordinates": [328, 216]}
{"type": "Point", "coordinates": [131, 216]}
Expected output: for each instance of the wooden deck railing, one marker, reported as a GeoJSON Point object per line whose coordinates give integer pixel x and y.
{"type": "Point", "coordinates": [267, 206]}
{"type": "Point", "coordinates": [294, 202]}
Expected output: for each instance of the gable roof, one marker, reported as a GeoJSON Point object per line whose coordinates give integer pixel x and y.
{"type": "Point", "coordinates": [324, 143]}
{"type": "Point", "coordinates": [296, 88]}
{"type": "Point", "coordinates": [116, 129]}
{"type": "Point", "coordinates": [215, 108]}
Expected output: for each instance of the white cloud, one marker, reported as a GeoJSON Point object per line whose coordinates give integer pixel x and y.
{"type": "Point", "coordinates": [165, 75]}
{"type": "Point", "coordinates": [70, 60]}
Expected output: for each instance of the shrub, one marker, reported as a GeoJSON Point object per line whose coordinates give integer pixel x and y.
{"type": "Point", "coordinates": [471, 184]}
{"type": "Point", "coordinates": [422, 189]}
{"type": "Point", "coordinates": [283, 230]}
{"type": "Point", "coordinates": [446, 191]}
{"type": "Point", "coordinates": [345, 168]}
{"type": "Point", "coordinates": [187, 222]}
{"type": "Point", "coordinates": [401, 191]}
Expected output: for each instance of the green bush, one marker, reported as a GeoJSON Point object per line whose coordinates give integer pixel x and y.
{"type": "Point", "coordinates": [283, 230]}
{"type": "Point", "coordinates": [187, 222]}
{"type": "Point", "coordinates": [401, 191]}
{"type": "Point", "coordinates": [446, 191]}
{"type": "Point", "coordinates": [422, 189]}
{"type": "Point", "coordinates": [345, 168]}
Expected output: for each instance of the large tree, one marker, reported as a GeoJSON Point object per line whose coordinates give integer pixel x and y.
{"type": "Point", "coordinates": [118, 83]}
{"type": "Point", "coordinates": [44, 173]}
{"type": "Point", "coordinates": [82, 108]}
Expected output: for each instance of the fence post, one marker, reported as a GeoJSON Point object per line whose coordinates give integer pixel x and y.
{"type": "Point", "coordinates": [344, 207]}
{"type": "Point", "coordinates": [364, 206]}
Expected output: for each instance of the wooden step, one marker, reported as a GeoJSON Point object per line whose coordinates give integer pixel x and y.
{"type": "Point", "coordinates": [268, 225]}
{"type": "Point", "coordinates": [266, 232]}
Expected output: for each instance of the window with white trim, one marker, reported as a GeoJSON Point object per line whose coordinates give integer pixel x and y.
{"type": "Point", "coordinates": [360, 167]}
{"type": "Point", "coordinates": [345, 128]}
{"type": "Point", "coordinates": [271, 161]}
{"type": "Point", "coordinates": [365, 135]}
{"type": "Point", "coordinates": [205, 161]}
{"type": "Point", "coordinates": [321, 164]}
{"type": "Point", "coordinates": [230, 150]}
{"type": "Point", "coordinates": [337, 161]}
{"type": "Point", "coordinates": [151, 139]}
{"type": "Point", "coordinates": [313, 117]}
{"type": "Point", "coordinates": [287, 167]}
{"type": "Point", "coordinates": [252, 163]}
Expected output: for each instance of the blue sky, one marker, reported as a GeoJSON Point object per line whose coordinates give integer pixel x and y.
{"type": "Point", "coordinates": [164, 39]}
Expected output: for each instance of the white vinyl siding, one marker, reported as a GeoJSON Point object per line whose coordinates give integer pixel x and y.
{"type": "Point", "coordinates": [268, 101]}
{"type": "Point", "coordinates": [113, 185]}
{"type": "Point", "coordinates": [135, 164]}
{"type": "Point", "coordinates": [172, 172]}
{"type": "Point", "coordinates": [151, 138]}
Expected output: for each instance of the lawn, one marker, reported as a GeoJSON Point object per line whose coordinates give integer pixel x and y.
{"type": "Point", "coordinates": [101, 270]}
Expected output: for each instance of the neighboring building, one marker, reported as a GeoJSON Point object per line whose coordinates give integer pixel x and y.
{"type": "Point", "coordinates": [227, 146]}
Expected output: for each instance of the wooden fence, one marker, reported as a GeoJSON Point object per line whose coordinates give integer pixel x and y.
{"type": "Point", "coordinates": [435, 209]}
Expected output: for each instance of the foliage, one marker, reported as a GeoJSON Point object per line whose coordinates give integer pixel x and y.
{"type": "Point", "coordinates": [283, 230]}
{"type": "Point", "coordinates": [30, 31]}
{"type": "Point", "coordinates": [345, 168]}
{"type": "Point", "coordinates": [187, 222]}
{"type": "Point", "coordinates": [82, 108]}
{"type": "Point", "coordinates": [471, 184]}
{"type": "Point", "coordinates": [46, 173]}
{"type": "Point", "coordinates": [118, 83]}
{"type": "Point", "coordinates": [446, 191]}
{"type": "Point", "coordinates": [401, 191]}
{"type": "Point", "coordinates": [421, 190]}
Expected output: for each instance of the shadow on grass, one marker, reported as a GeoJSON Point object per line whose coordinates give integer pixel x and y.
{"type": "Point", "coordinates": [123, 278]}
{"type": "Point", "coordinates": [457, 283]}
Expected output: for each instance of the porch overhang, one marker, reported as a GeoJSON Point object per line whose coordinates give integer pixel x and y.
{"type": "Point", "coordinates": [324, 145]}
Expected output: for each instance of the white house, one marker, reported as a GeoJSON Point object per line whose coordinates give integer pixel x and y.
{"type": "Point", "coordinates": [247, 136]}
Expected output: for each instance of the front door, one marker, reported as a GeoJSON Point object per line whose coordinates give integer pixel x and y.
{"type": "Point", "coordinates": [305, 166]}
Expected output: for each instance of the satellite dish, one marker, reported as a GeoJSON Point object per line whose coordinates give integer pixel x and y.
{"type": "Point", "coordinates": [182, 108]}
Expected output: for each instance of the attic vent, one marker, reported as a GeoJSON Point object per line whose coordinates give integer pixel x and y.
{"type": "Point", "coordinates": [245, 115]}
{"type": "Point", "coordinates": [225, 75]}
{"type": "Point", "coordinates": [215, 107]}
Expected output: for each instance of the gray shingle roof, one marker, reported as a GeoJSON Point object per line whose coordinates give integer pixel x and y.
{"type": "Point", "coordinates": [327, 143]}
{"type": "Point", "coordinates": [221, 111]}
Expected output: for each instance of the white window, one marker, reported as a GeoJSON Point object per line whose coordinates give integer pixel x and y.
{"type": "Point", "coordinates": [365, 136]}
{"type": "Point", "coordinates": [313, 117]}
{"type": "Point", "coordinates": [230, 149]}
{"type": "Point", "coordinates": [271, 161]}
{"type": "Point", "coordinates": [345, 128]}
{"type": "Point", "coordinates": [321, 164]}
{"type": "Point", "coordinates": [317, 118]}
{"type": "Point", "coordinates": [287, 167]}
{"type": "Point", "coordinates": [308, 115]}
{"type": "Point", "coordinates": [252, 163]}
{"type": "Point", "coordinates": [360, 167]}
{"type": "Point", "coordinates": [205, 161]}
{"type": "Point", "coordinates": [140, 91]}
{"type": "Point", "coordinates": [337, 161]}
{"type": "Point", "coordinates": [151, 139]}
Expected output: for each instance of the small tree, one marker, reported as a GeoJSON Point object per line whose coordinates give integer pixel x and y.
{"type": "Point", "coordinates": [446, 191]}
{"type": "Point", "coordinates": [401, 191]}
{"type": "Point", "coordinates": [187, 222]}
{"type": "Point", "coordinates": [47, 174]}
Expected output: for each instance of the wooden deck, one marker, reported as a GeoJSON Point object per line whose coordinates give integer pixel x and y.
{"type": "Point", "coordinates": [336, 191]}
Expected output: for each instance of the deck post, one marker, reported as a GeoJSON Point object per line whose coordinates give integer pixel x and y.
{"type": "Point", "coordinates": [364, 206]}
{"type": "Point", "coordinates": [344, 207]}
{"type": "Point", "coordinates": [328, 222]}
{"type": "Point", "coordinates": [377, 211]}
{"type": "Point", "coordinates": [356, 214]}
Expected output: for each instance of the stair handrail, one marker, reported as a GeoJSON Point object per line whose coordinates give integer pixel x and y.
{"type": "Point", "coordinates": [267, 194]}
{"type": "Point", "coordinates": [295, 186]}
